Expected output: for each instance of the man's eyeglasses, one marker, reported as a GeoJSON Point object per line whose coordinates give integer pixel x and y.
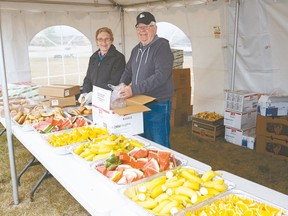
{"type": "Point", "coordinates": [144, 27]}
{"type": "Point", "coordinates": [100, 40]}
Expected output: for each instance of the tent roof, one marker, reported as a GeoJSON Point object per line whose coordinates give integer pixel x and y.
{"type": "Point", "coordinates": [95, 5]}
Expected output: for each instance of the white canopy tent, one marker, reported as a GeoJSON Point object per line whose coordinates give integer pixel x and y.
{"type": "Point", "coordinates": [261, 64]}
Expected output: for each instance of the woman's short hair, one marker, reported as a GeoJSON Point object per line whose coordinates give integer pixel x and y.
{"type": "Point", "coordinates": [107, 30]}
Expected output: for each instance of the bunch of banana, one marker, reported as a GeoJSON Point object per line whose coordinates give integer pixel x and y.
{"type": "Point", "coordinates": [211, 116]}
{"type": "Point", "coordinates": [76, 135]}
{"type": "Point", "coordinates": [177, 190]}
{"type": "Point", "coordinates": [105, 145]}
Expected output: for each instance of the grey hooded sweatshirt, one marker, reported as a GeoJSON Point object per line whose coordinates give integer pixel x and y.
{"type": "Point", "coordinates": [149, 69]}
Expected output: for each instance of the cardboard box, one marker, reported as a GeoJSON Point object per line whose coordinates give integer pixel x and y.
{"type": "Point", "coordinates": [181, 78]}
{"type": "Point", "coordinates": [180, 116]}
{"type": "Point", "coordinates": [218, 121]}
{"type": "Point", "coordinates": [181, 97]}
{"type": "Point", "coordinates": [273, 105]}
{"type": "Point", "coordinates": [249, 141]}
{"type": "Point", "coordinates": [275, 147]}
{"type": "Point", "coordinates": [276, 127]}
{"type": "Point", "coordinates": [59, 102]}
{"type": "Point", "coordinates": [59, 90]}
{"type": "Point", "coordinates": [206, 131]}
{"type": "Point", "coordinates": [240, 120]}
{"type": "Point", "coordinates": [127, 120]}
{"type": "Point", "coordinates": [241, 101]}
{"type": "Point", "coordinates": [235, 136]}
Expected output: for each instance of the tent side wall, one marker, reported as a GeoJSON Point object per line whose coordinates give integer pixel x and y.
{"type": "Point", "coordinates": [19, 27]}
{"type": "Point", "coordinates": [261, 64]}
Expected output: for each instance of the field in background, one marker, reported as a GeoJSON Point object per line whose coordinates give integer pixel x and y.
{"type": "Point", "coordinates": [66, 70]}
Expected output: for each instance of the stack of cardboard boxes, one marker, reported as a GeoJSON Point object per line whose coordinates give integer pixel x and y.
{"type": "Point", "coordinates": [240, 117]}
{"type": "Point", "coordinates": [181, 101]}
{"type": "Point", "coordinates": [59, 95]}
{"type": "Point", "coordinates": [272, 126]}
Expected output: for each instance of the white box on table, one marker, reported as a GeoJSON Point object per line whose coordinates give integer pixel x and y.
{"type": "Point", "coordinates": [128, 120]}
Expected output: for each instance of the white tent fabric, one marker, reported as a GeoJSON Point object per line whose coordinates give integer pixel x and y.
{"type": "Point", "coordinates": [260, 65]}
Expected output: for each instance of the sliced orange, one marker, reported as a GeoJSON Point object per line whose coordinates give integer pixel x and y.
{"type": "Point", "coordinates": [242, 206]}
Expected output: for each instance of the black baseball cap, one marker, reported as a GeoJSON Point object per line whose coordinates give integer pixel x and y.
{"type": "Point", "coordinates": [145, 18]}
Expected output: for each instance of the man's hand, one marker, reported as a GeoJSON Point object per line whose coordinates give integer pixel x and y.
{"type": "Point", "coordinates": [126, 92]}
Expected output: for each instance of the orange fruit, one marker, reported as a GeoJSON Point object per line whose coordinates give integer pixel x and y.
{"type": "Point", "coordinates": [248, 212]}
{"type": "Point", "coordinates": [242, 206]}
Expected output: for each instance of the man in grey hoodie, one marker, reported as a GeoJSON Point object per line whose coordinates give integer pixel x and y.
{"type": "Point", "coordinates": [149, 72]}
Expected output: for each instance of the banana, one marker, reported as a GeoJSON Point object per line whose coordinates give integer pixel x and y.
{"type": "Point", "coordinates": [193, 185]}
{"type": "Point", "coordinates": [161, 197]}
{"type": "Point", "coordinates": [170, 191]}
{"type": "Point", "coordinates": [211, 184]}
{"type": "Point", "coordinates": [208, 175]}
{"type": "Point", "coordinates": [180, 198]}
{"type": "Point", "coordinates": [190, 170]}
{"type": "Point", "coordinates": [220, 187]}
{"type": "Point", "coordinates": [156, 191]}
{"type": "Point", "coordinates": [153, 183]}
{"type": "Point", "coordinates": [141, 196]}
{"type": "Point", "coordinates": [166, 209]}
{"type": "Point", "coordinates": [173, 184]}
{"type": "Point", "coordinates": [148, 204]}
{"type": "Point", "coordinates": [185, 191]}
{"type": "Point", "coordinates": [212, 191]}
{"type": "Point", "coordinates": [160, 206]}
{"type": "Point", "coordinates": [189, 176]}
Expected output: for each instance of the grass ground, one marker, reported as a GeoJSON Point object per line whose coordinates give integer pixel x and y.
{"type": "Point", "coordinates": [52, 199]}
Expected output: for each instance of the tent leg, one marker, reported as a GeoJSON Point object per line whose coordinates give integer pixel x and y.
{"type": "Point", "coordinates": [31, 163]}
{"type": "Point", "coordinates": [45, 175]}
{"type": "Point", "coordinates": [3, 131]}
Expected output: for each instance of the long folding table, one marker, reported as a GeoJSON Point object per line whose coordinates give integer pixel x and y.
{"type": "Point", "coordinates": [91, 191]}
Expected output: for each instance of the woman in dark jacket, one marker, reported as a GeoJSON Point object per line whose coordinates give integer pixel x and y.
{"type": "Point", "coordinates": [105, 67]}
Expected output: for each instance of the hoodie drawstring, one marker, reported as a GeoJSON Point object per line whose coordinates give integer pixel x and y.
{"type": "Point", "coordinates": [147, 55]}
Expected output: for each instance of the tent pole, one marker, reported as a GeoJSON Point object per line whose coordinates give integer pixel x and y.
{"type": "Point", "coordinates": [122, 29]}
{"type": "Point", "coordinates": [8, 123]}
{"type": "Point", "coordinates": [235, 45]}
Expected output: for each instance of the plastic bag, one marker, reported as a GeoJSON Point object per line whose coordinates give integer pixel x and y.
{"type": "Point", "coordinates": [116, 100]}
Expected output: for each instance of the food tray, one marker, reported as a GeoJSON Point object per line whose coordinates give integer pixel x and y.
{"type": "Point", "coordinates": [176, 193]}
{"type": "Point", "coordinates": [24, 127]}
{"type": "Point", "coordinates": [69, 110]}
{"type": "Point", "coordinates": [135, 170]}
{"type": "Point", "coordinates": [113, 148]}
{"type": "Point", "coordinates": [226, 196]}
{"type": "Point", "coordinates": [69, 136]}
{"type": "Point", "coordinates": [46, 127]}
{"type": "Point", "coordinates": [28, 114]}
